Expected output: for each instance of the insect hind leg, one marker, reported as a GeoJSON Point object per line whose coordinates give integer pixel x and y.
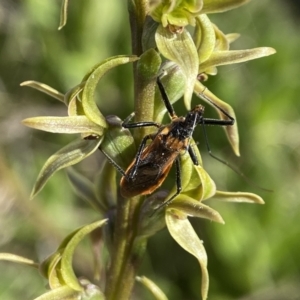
{"type": "Point", "coordinates": [178, 191]}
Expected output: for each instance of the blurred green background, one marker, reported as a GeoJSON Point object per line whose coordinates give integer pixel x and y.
{"type": "Point", "coordinates": [256, 254]}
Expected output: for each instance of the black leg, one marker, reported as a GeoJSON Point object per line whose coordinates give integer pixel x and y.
{"type": "Point", "coordinates": [165, 98]}
{"type": "Point", "coordinates": [218, 121]}
{"type": "Point", "coordinates": [178, 183]}
{"type": "Point", "coordinates": [193, 155]}
{"type": "Point", "coordinates": [113, 163]}
{"type": "Point", "coordinates": [126, 123]}
{"type": "Point", "coordinates": [220, 109]}
{"type": "Point", "coordinates": [138, 155]}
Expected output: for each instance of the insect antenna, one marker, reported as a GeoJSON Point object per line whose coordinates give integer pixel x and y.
{"type": "Point", "coordinates": [248, 180]}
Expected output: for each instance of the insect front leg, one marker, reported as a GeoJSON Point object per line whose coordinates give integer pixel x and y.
{"type": "Point", "coordinates": [126, 123]}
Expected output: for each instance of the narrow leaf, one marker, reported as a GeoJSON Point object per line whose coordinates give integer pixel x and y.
{"type": "Point", "coordinates": [44, 88]}
{"type": "Point", "coordinates": [67, 255]}
{"type": "Point", "coordinates": [67, 156]}
{"type": "Point", "coordinates": [184, 234]}
{"type": "Point", "coordinates": [69, 125]}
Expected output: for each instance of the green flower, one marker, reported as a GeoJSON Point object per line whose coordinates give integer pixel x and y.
{"type": "Point", "coordinates": [177, 14]}
{"type": "Point", "coordinates": [83, 118]}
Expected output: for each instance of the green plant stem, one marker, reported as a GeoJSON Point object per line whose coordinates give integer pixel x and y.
{"type": "Point", "coordinates": [127, 253]}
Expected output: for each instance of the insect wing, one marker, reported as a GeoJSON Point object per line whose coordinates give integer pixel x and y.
{"type": "Point", "coordinates": [151, 172]}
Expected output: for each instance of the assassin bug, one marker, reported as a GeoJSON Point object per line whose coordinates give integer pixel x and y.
{"type": "Point", "coordinates": [153, 162]}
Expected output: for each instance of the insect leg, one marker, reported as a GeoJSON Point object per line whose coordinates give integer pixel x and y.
{"type": "Point", "coordinates": [218, 122]}
{"type": "Point", "coordinates": [165, 98]}
{"type": "Point", "coordinates": [193, 155]}
{"type": "Point", "coordinates": [114, 163]}
{"type": "Point", "coordinates": [138, 155]}
{"type": "Point", "coordinates": [178, 183]}
{"type": "Point", "coordinates": [219, 108]}
{"type": "Point", "coordinates": [126, 123]}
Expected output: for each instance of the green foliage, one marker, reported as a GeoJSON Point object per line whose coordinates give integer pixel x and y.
{"type": "Point", "coordinates": [251, 252]}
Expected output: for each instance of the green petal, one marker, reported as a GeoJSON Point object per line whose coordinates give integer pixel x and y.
{"type": "Point", "coordinates": [183, 233]}
{"type": "Point", "coordinates": [92, 78]}
{"type": "Point", "coordinates": [231, 131]}
{"type": "Point", "coordinates": [73, 101]}
{"type": "Point", "coordinates": [222, 44]}
{"type": "Point", "coordinates": [180, 48]}
{"type": "Point", "coordinates": [194, 208]}
{"type": "Point", "coordinates": [44, 88]}
{"type": "Point", "coordinates": [239, 197]}
{"type": "Point", "coordinates": [67, 156]}
{"type": "Point", "coordinates": [204, 37]}
{"type": "Point", "coordinates": [48, 268]}
{"type": "Point", "coordinates": [219, 58]}
{"type": "Point", "coordinates": [157, 293]}
{"type": "Point", "coordinates": [208, 188]}
{"type": "Point", "coordinates": [61, 293]}
{"type": "Point", "coordinates": [69, 125]}
{"type": "Point", "coordinates": [67, 255]}
{"type": "Point", "coordinates": [217, 6]}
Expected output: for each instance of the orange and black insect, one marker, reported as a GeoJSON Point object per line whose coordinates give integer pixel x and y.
{"type": "Point", "coordinates": [153, 161]}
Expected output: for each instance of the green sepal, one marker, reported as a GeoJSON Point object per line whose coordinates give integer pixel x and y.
{"type": "Point", "coordinates": [180, 48]}
{"type": "Point", "coordinates": [184, 234]}
{"type": "Point", "coordinates": [61, 293]}
{"type": "Point", "coordinates": [218, 6]}
{"type": "Point", "coordinates": [44, 88]}
{"type": "Point", "coordinates": [58, 266]}
{"type": "Point", "coordinates": [194, 208]}
{"type": "Point", "coordinates": [239, 197]}
{"type": "Point", "coordinates": [69, 246]}
{"type": "Point", "coordinates": [91, 80]}
{"type": "Point", "coordinates": [231, 131]}
{"type": "Point", "coordinates": [69, 155]}
{"type": "Point", "coordinates": [18, 259]}
{"type": "Point", "coordinates": [219, 58]}
{"type": "Point", "coordinates": [68, 125]}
